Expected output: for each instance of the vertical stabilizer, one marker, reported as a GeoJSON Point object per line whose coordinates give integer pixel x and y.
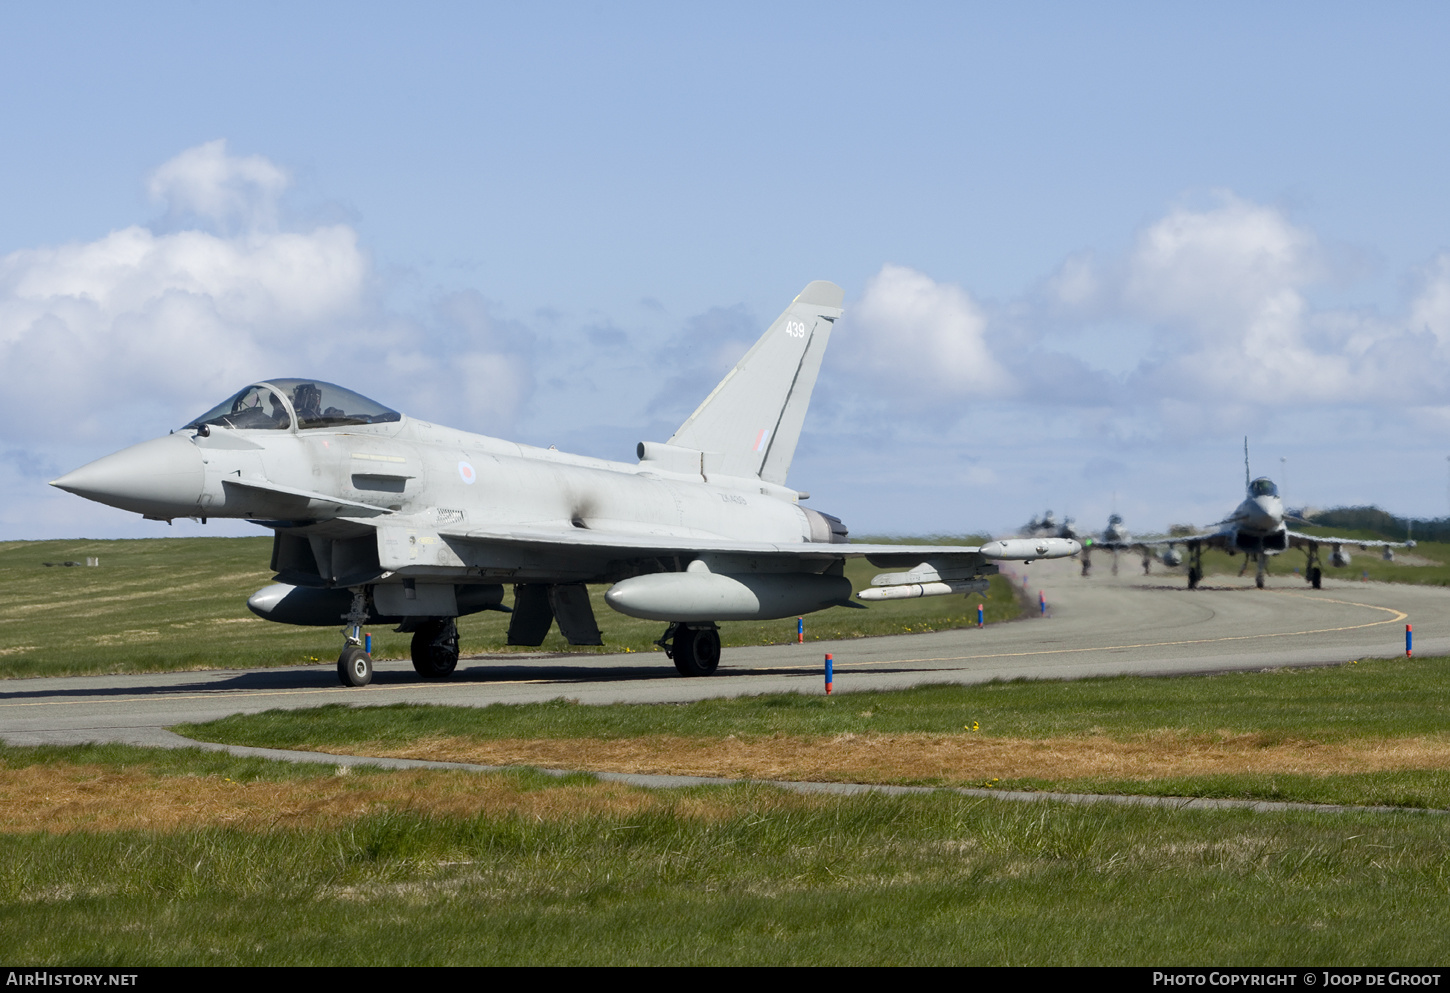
{"type": "Point", "coordinates": [752, 420]}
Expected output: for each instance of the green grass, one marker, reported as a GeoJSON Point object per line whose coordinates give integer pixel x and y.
{"type": "Point", "coordinates": [1370, 700]}
{"type": "Point", "coordinates": [165, 604]}
{"type": "Point", "coordinates": [762, 878]}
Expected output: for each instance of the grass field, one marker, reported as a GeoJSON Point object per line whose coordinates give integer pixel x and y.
{"type": "Point", "coordinates": [123, 856]}
{"type": "Point", "coordinates": [1367, 733]}
{"type": "Point", "coordinates": [163, 604]}
{"type": "Point", "coordinates": [187, 858]}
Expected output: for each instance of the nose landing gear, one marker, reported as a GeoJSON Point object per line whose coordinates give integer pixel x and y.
{"type": "Point", "coordinates": [355, 665]}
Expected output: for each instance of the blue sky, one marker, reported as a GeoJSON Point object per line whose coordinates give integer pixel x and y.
{"type": "Point", "coordinates": [1085, 248]}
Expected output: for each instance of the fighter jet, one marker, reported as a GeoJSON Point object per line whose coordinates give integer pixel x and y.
{"type": "Point", "coordinates": [1045, 525]}
{"type": "Point", "coordinates": [1114, 539]}
{"type": "Point", "coordinates": [382, 518]}
{"type": "Point", "coordinates": [1257, 528]}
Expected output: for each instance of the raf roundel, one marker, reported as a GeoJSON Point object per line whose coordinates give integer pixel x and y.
{"type": "Point", "coordinates": [465, 471]}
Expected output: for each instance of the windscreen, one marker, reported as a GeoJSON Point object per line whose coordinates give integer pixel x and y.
{"type": "Point", "coordinates": [323, 405]}
{"type": "Point", "coordinates": [318, 405]}
{"type": "Point", "coordinates": [255, 408]}
{"type": "Point", "coordinates": [1263, 487]}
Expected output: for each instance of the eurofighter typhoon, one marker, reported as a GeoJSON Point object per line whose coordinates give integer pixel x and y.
{"type": "Point", "coordinates": [1257, 528]}
{"type": "Point", "coordinates": [381, 518]}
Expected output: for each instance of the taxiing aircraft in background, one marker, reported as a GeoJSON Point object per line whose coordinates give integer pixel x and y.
{"type": "Point", "coordinates": [1115, 539]}
{"type": "Point", "coordinates": [1258, 530]}
{"type": "Point", "coordinates": [379, 517]}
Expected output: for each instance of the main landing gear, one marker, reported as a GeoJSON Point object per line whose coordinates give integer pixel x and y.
{"type": "Point", "coordinates": [435, 648]}
{"type": "Point", "coordinates": [1195, 565]}
{"type": "Point", "coordinates": [1314, 569]}
{"type": "Point", "coordinates": [694, 648]}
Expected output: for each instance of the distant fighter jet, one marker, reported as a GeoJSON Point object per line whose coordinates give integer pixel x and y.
{"type": "Point", "coordinates": [382, 518]}
{"type": "Point", "coordinates": [1045, 525]}
{"type": "Point", "coordinates": [1114, 538]}
{"type": "Point", "coordinates": [1257, 529]}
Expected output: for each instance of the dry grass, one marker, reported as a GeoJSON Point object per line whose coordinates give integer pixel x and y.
{"type": "Point", "coordinates": [963, 758]}
{"type": "Point", "coordinates": [60, 799]}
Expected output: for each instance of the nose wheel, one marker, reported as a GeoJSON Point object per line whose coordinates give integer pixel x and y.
{"type": "Point", "coordinates": [354, 665]}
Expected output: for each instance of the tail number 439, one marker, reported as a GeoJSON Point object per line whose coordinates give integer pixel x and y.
{"type": "Point", "coordinates": [796, 329]}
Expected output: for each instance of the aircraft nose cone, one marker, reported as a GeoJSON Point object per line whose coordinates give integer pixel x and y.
{"type": "Point", "coordinates": [163, 477]}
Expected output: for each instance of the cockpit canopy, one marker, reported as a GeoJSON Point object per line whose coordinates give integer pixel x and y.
{"type": "Point", "coordinates": [271, 405]}
{"type": "Point", "coordinates": [1263, 486]}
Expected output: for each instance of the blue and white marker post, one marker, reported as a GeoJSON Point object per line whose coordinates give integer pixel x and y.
{"type": "Point", "coordinates": [829, 674]}
{"type": "Point", "coordinates": [1409, 640]}
{"type": "Point", "coordinates": [980, 619]}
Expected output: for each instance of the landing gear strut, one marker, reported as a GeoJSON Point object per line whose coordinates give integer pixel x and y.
{"type": "Point", "coordinates": [354, 665]}
{"type": "Point", "coordinates": [1314, 569]}
{"type": "Point", "coordinates": [1195, 565]}
{"type": "Point", "coordinates": [695, 649]}
{"type": "Point", "coordinates": [435, 648]}
{"type": "Point", "coordinates": [1263, 570]}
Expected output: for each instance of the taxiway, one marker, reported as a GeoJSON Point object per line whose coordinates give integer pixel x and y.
{"type": "Point", "coordinates": [1095, 626]}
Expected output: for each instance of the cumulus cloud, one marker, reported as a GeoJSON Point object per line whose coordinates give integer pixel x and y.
{"type": "Point", "coordinates": [208, 183]}
{"type": "Point", "coordinates": [1208, 326]}
{"type": "Point", "coordinates": [142, 328]}
{"type": "Point", "coordinates": [914, 337]}
{"type": "Point", "coordinates": [1225, 292]}
{"type": "Point", "coordinates": [1431, 308]}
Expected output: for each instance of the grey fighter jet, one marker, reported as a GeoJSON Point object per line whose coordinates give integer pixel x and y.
{"type": "Point", "coordinates": [1114, 539]}
{"type": "Point", "coordinates": [382, 518]}
{"type": "Point", "coordinates": [1258, 529]}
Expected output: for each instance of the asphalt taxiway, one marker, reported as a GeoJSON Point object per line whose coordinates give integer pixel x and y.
{"type": "Point", "coordinates": [1100, 625]}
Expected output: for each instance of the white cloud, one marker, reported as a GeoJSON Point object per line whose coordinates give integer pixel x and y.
{"type": "Point", "coordinates": [208, 183]}
{"type": "Point", "coordinates": [1431, 308]}
{"type": "Point", "coordinates": [121, 337]}
{"type": "Point", "coordinates": [1204, 270]}
{"type": "Point", "coordinates": [184, 316]}
{"type": "Point", "coordinates": [921, 341]}
{"type": "Point", "coordinates": [1225, 292]}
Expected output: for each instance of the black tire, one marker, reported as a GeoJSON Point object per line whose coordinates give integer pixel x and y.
{"type": "Point", "coordinates": [435, 649]}
{"type": "Point", "coordinates": [697, 651]}
{"type": "Point", "coordinates": [1259, 580]}
{"type": "Point", "coordinates": [1194, 576]}
{"type": "Point", "coordinates": [355, 666]}
{"type": "Point", "coordinates": [1316, 578]}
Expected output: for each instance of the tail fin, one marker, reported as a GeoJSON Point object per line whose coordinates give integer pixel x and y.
{"type": "Point", "coordinates": [752, 420]}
